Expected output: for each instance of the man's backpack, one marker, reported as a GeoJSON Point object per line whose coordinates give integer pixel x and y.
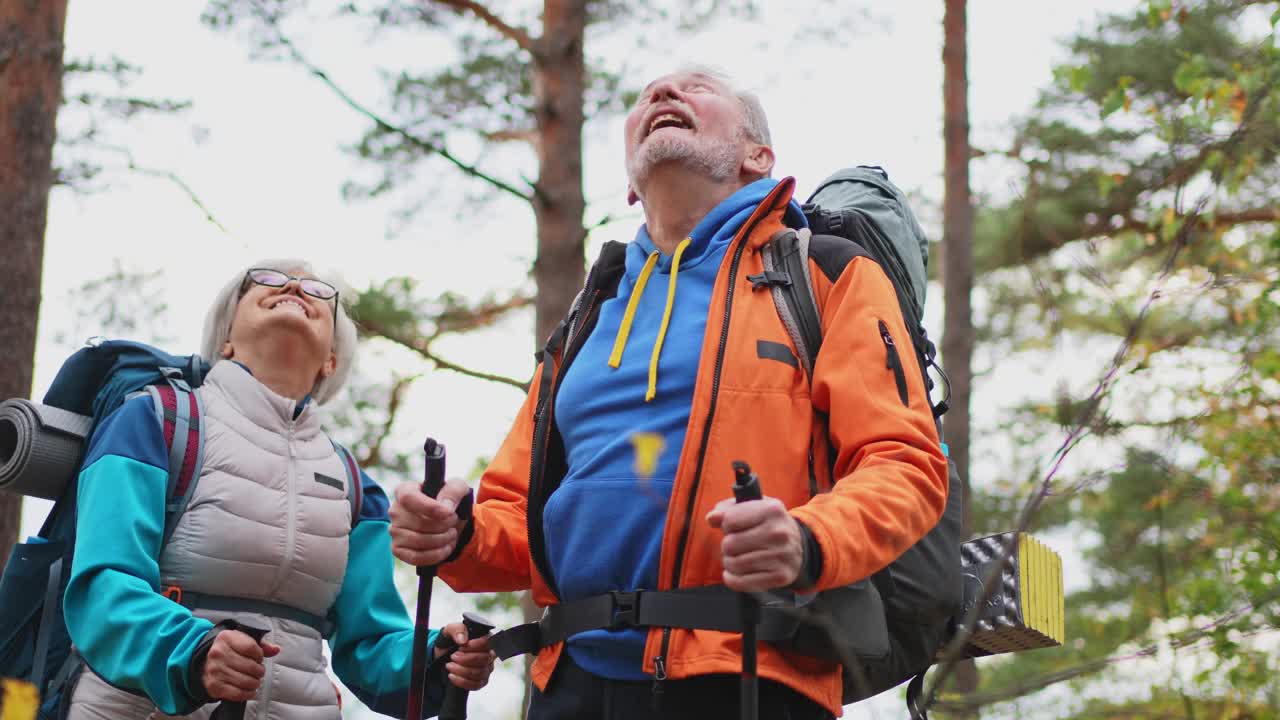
{"type": "Point", "coordinates": [922, 590]}
{"type": "Point", "coordinates": [41, 449]}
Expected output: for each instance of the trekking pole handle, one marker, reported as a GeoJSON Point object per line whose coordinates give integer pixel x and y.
{"type": "Point", "coordinates": [234, 710]}
{"type": "Point", "coordinates": [746, 485]}
{"type": "Point", "coordinates": [433, 475]}
{"type": "Point", "coordinates": [454, 706]}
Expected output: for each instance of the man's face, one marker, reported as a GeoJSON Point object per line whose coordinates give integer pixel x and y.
{"type": "Point", "coordinates": [688, 118]}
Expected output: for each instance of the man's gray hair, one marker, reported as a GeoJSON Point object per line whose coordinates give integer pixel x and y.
{"type": "Point", "coordinates": [755, 122]}
{"type": "Point", "coordinates": [217, 324]}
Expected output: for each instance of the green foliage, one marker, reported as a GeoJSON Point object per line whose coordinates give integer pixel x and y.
{"type": "Point", "coordinates": [1152, 165]}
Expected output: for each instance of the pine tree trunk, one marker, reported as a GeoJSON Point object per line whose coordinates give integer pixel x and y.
{"type": "Point", "coordinates": [957, 261]}
{"type": "Point", "coordinates": [560, 76]}
{"type": "Point", "coordinates": [558, 203]}
{"type": "Point", "coordinates": [30, 92]}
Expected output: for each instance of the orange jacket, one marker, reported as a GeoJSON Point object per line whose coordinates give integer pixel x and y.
{"type": "Point", "coordinates": [890, 475]}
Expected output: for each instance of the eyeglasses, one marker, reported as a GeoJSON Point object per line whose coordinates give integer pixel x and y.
{"type": "Point", "coordinates": [311, 286]}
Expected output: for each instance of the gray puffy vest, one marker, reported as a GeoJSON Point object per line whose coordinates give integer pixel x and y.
{"type": "Point", "coordinates": [269, 520]}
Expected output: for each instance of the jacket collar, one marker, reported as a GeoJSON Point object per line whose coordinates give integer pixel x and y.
{"type": "Point", "coordinates": [262, 406]}
{"type": "Point", "coordinates": [777, 209]}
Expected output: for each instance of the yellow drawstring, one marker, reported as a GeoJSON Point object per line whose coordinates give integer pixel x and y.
{"type": "Point", "coordinates": [666, 318]}
{"type": "Point", "coordinates": [624, 329]}
{"type": "Point", "coordinates": [615, 357]}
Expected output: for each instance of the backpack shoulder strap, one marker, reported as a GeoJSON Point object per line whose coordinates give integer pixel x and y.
{"type": "Point", "coordinates": [786, 264]}
{"type": "Point", "coordinates": [181, 415]}
{"type": "Point", "coordinates": [355, 490]}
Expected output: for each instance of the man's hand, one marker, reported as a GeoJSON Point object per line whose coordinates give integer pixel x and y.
{"type": "Point", "coordinates": [233, 669]}
{"type": "Point", "coordinates": [472, 663]}
{"type": "Point", "coordinates": [762, 549]}
{"type": "Point", "coordinates": [425, 531]}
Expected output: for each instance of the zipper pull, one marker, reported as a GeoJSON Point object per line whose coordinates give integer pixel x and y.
{"type": "Point", "coordinates": [890, 349]}
{"type": "Point", "coordinates": [659, 677]}
{"type": "Point", "coordinates": [894, 363]}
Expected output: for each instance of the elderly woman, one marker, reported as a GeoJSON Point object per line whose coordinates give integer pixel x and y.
{"type": "Point", "coordinates": [267, 540]}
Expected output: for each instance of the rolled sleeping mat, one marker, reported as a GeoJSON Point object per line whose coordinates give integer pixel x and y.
{"type": "Point", "coordinates": [40, 447]}
{"type": "Point", "coordinates": [1026, 609]}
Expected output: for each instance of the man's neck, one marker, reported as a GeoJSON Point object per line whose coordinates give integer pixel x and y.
{"type": "Point", "coordinates": [675, 201]}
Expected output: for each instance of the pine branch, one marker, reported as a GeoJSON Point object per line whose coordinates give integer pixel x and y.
{"type": "Point", "coordinates": [520, 36]}
{"type": "Point", "coordinates": [383, 124]}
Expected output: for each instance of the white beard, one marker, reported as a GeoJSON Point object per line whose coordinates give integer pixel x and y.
{"type": "Point", "coordinates": [715, 159]}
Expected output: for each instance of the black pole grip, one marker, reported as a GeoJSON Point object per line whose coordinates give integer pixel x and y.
{"type": "Point", "coordinates": [454, 706]}
{"type": "Point", "coordinates": [433, 475]}
{"type": "Point", "coordinates": [234, 710]}
{"type": "Point", "coordinates": [746, 487]}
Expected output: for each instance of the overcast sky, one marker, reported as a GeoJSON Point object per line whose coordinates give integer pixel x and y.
{"type": "Point", "coordinates": [262, 148]}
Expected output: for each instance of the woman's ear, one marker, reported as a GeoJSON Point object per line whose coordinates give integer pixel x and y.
{"type": "Point", "coordinates": [228, 352]}
{"type": "Point", "coordinates": [330, 366]}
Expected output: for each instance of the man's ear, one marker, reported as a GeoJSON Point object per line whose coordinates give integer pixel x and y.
{"type": "Point", "coordinates": [632, 197]}
{"type": "Point", "coordinates": [759, 161]}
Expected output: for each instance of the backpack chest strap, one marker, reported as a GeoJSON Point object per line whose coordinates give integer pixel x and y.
{"type": "Point", "coordinates": [253, 606]}
{"type": "Point", "coordinates": [712, 607]}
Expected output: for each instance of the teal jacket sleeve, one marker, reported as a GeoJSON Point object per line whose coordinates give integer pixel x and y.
{"type": "Point", "coordinates": [372, 640]}
{"type": "Point", "coordinates": [126, 631]}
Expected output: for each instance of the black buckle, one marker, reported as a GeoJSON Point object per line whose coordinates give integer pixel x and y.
{"type": "Point", "coordinates": [626, 609]}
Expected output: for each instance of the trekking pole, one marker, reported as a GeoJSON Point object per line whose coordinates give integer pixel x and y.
{"type": "Point", "coordinates": [746, 487]}
{"type": "Point", "coordinates": [432, 483]}
{"type": "Point", "coordinates": [234, 710]}
{"type": "Point", "coordinates": [455, 698]}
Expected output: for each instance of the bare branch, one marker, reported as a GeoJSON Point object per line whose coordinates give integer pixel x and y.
{"type": "Point", "coordinates": [955, 647]}
{"type": "Point", "coordinates": [169, 175]}
{"type": "Point", "coordinates": [520, 36]}
{"type": "Point", "coordinates": [1186, 640]}
{"type": "Point", "coordinates": [382, 123]}
{"type": "Point", "coordinates": [373, 457]}
{"type": "Point", "coordinates": [422, 346]}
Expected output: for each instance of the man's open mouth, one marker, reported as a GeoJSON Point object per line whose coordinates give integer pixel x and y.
{"type": "Point", "coordinates": [667, 120]}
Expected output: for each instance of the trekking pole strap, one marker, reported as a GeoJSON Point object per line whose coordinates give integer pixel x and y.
{"type": "Point", "coordinates": [252, 606]}
{"type": "Point", "coordinates": [711, 607]}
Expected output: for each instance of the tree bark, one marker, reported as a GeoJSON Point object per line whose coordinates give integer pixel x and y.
{"type": "Point", "coordinates": [558, 202]}
{"type": "Point", "coordinates": [559, 71]}
{"type": "Point", "coordinates": [30, 92]}
{"type": "Point", "coordinates": [957, 261]}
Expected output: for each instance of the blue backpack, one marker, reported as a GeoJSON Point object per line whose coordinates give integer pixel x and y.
{"type": "Point", "coordinates": [95, 381]}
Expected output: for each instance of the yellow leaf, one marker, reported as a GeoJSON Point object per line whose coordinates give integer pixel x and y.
{"type": "Point", "coordinates": [648, 447]}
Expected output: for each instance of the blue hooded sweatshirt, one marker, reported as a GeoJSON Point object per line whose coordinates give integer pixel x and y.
{"type": "Point", "coordinates": [632, 384]}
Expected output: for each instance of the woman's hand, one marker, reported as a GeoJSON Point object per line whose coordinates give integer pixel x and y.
{"type": "Point", "coordinates": [233, 669]}
{"type": "Point", "coordinates": [472, 663]}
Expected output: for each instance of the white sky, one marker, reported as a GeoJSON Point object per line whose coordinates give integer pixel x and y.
{"type": "Point", "coordinates": [262, 148]}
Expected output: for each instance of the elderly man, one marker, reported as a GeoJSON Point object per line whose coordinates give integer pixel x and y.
{"type": "Point", "coordinates": [617, 474]}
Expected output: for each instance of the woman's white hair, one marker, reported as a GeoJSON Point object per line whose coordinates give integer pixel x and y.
{"type": "Point", "coordinates": [217, 324]}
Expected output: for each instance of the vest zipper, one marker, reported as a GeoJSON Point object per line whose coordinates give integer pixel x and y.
{"type": "Point", "coordinates": [893, 362]}
{"type": "Point", "coordinates": [291, 529]}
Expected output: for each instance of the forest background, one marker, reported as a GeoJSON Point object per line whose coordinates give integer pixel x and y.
{"type": "Point", "coordinates": [1105, 175]}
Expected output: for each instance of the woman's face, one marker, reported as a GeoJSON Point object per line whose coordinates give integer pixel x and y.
{"type": "Point", "coordinates": [270, 314]}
